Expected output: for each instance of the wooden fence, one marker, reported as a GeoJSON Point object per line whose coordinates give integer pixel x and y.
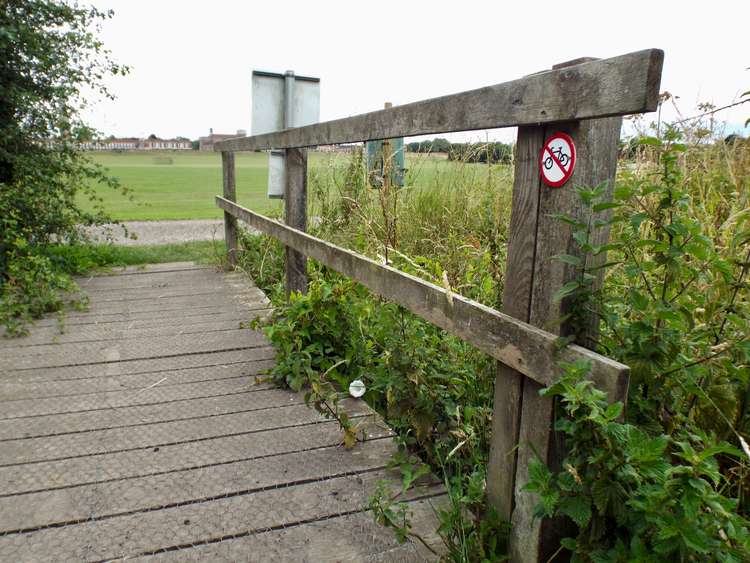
{"type": "Point", "coordinates": [585, 99]}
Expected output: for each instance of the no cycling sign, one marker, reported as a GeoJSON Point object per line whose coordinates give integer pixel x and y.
{"type": "Point", "coordinates": [557, 160]}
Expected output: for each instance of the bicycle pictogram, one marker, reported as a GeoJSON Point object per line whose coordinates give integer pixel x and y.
{"type": "Point", "coordinates": [562, 158]}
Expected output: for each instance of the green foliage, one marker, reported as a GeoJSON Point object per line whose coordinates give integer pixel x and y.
{"type": "Point", "coordinates": [636, 496]}
{"type": "Point", "coordinates": [676, 307]}
{"type": "Point", "coordinates": [447, 226]}
{"type": "Point", "coordinates": [433, 389]}
{"type": "Point", "coordinates": [263, 259]}
{"type": "Point", "coordinates": [435, 145]}
{"type": "Point", "coordinates": [313, 334]}
{"type": "Point", "coordinates": [470, 529]}
{"type": "Point", "coordinates": [428, 385]}
{"type": "Point", "coordinates": [669, 481]}
{"type": "Point", "coordinates": [76, 259]}
{"type": "Point", "coordinates": [579, 292]}
{"type": "Point", "coordinates": [32, 287]}
{"type": "Point", "coordinates": [481, 152]}
{"type": "Point", "coordinates": [386, 504]}
{"type": "Point", "coordinates": [664, 485]}
{"type": "Point", "coordinates": [390, 513]}
{"type": "Point", "coordinates": [49, 55]}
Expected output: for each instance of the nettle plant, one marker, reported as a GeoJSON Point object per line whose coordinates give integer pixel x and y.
{"type": "Point", "coordinates": [667, 484]}
{"type": "Point", "coordinates": [636, 496]}
{"type": "Point", "coordinates": [675, 308]}
{"type": "Point", "coordinates": [315, 347]}
{"type": "Point", "coordinates": [432, 389]}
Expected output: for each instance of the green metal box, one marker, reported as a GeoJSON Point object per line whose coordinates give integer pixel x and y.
{"type": "Point", "coordinates": [376, 162]}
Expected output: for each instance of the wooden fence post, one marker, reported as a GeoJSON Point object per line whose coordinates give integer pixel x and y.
{"type": "Point", "coordinates": [521, 416]}
{"type": "Point", "coordinates": [230, 193]}
{"type": "Point", "coordinates": [596, 162]}
{"type": "Point", "coordinates": [295, 215]}
{"type": "Point", "coordinates": [519, 274]}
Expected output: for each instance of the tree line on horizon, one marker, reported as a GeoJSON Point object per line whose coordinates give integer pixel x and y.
{"type": "Point", "coordinates": [495, 152]}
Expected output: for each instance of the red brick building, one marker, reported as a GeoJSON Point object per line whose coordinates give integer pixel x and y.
{"type": "Point", "coordinates": [207, 143]}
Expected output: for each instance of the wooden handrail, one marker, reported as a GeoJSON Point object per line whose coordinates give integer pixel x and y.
{"type": "Point", "coordinates": [621, 85]}
{"type": "Point", "coordinates": [585, 99]}
{"type": "Point", "coordinates": [519, 345]}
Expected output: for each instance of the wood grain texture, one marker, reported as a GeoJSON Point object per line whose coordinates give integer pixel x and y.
{"type": "Point", "coordinates": [295, 215]}
{"type": "Point", "coordinates": [596, 145]}
{"type": "Point", "coordinates": [620, 85]}
{"type": "Point", "coordinates": [230, 192]}
{"type": "Point", "coordinates": [525, 348]}
{"type": "Point", "coordinates": [49, 507]}
{"type": "Point", "coordinates": [161, 444]}
{"type": "Point", "coordinates": [315, 542]}
{"type": "Point", "coordinates": [519, 274]}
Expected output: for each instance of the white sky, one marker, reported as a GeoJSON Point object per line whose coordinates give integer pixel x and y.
{"type": "Point", "coordinates": [191, 60]}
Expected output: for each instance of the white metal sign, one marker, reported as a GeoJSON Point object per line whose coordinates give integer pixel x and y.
{"type": "Point", "coordinates": [282, 101]}
{"type": "Point", "coordinates": [269, 102]}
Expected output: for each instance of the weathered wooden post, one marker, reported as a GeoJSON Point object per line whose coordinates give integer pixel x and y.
{"type": "Point", "coordinates": [230, 193]}
{"type": "Point", "coordinates": [387, 164]}
{"type": "Point", "coordinates": [295, 195]}
{"type": "Point", "coordinates": [295, 215]}
{"type": "Point", "coordinates": [521, 416]}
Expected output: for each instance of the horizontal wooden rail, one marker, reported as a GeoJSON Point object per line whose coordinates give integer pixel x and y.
{"type": "Point", "coordinates": [621, 85]}
{"type": "Point", "coordinates": [527, 349]}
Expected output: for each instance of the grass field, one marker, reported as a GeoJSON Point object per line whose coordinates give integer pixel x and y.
{"type": "Point", "coordinates": [182, 185]}
{"type": "Point", "coordinates": [81, 259]}
{"type": "Point", "coordinates": [184, 189]}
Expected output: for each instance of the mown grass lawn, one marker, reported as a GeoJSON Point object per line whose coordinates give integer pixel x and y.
{"type": "Point", "coordinates": [182, 185]}
{"type": "Point", "coordinates": [184, 189]}
{"type": "Point", "coordinates": [81, 259]}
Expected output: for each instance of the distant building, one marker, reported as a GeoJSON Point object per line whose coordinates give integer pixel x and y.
{"type": "Point", "coordinates": [130, 143]}
{"type": "Point", "coordinates": [134, 144]}
{"type": "Point", "coordinates": [207, 143]}
{"type": "Point", "coordinates": [180, 143]}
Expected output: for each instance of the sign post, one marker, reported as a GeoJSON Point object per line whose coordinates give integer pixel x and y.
{"type": "Point", "coordinates": [386, 161]}
{"type": "Point", "coordinates": [285, 101]}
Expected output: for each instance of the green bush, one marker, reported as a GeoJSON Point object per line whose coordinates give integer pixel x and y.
{"type": "Point", "coordinates": [665, 485]}
{"type": "Point", "coordinates": [637, 496]}
{"type": "Point", "coordinates": [49, 54]}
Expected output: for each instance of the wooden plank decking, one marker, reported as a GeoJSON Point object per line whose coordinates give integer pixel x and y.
{"type": "Point", "coordinates": [140, 433]}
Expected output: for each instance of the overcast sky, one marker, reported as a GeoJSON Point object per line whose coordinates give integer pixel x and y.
{"type": "Point", "coordinates": [191, 60]}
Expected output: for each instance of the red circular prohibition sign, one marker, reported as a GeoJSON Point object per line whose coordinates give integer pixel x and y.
{"type": "Point", "coordinates": [557, 160]}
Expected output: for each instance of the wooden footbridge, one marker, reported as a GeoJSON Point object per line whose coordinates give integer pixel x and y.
{"type": "Point", "coordinates": [140, 432]}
